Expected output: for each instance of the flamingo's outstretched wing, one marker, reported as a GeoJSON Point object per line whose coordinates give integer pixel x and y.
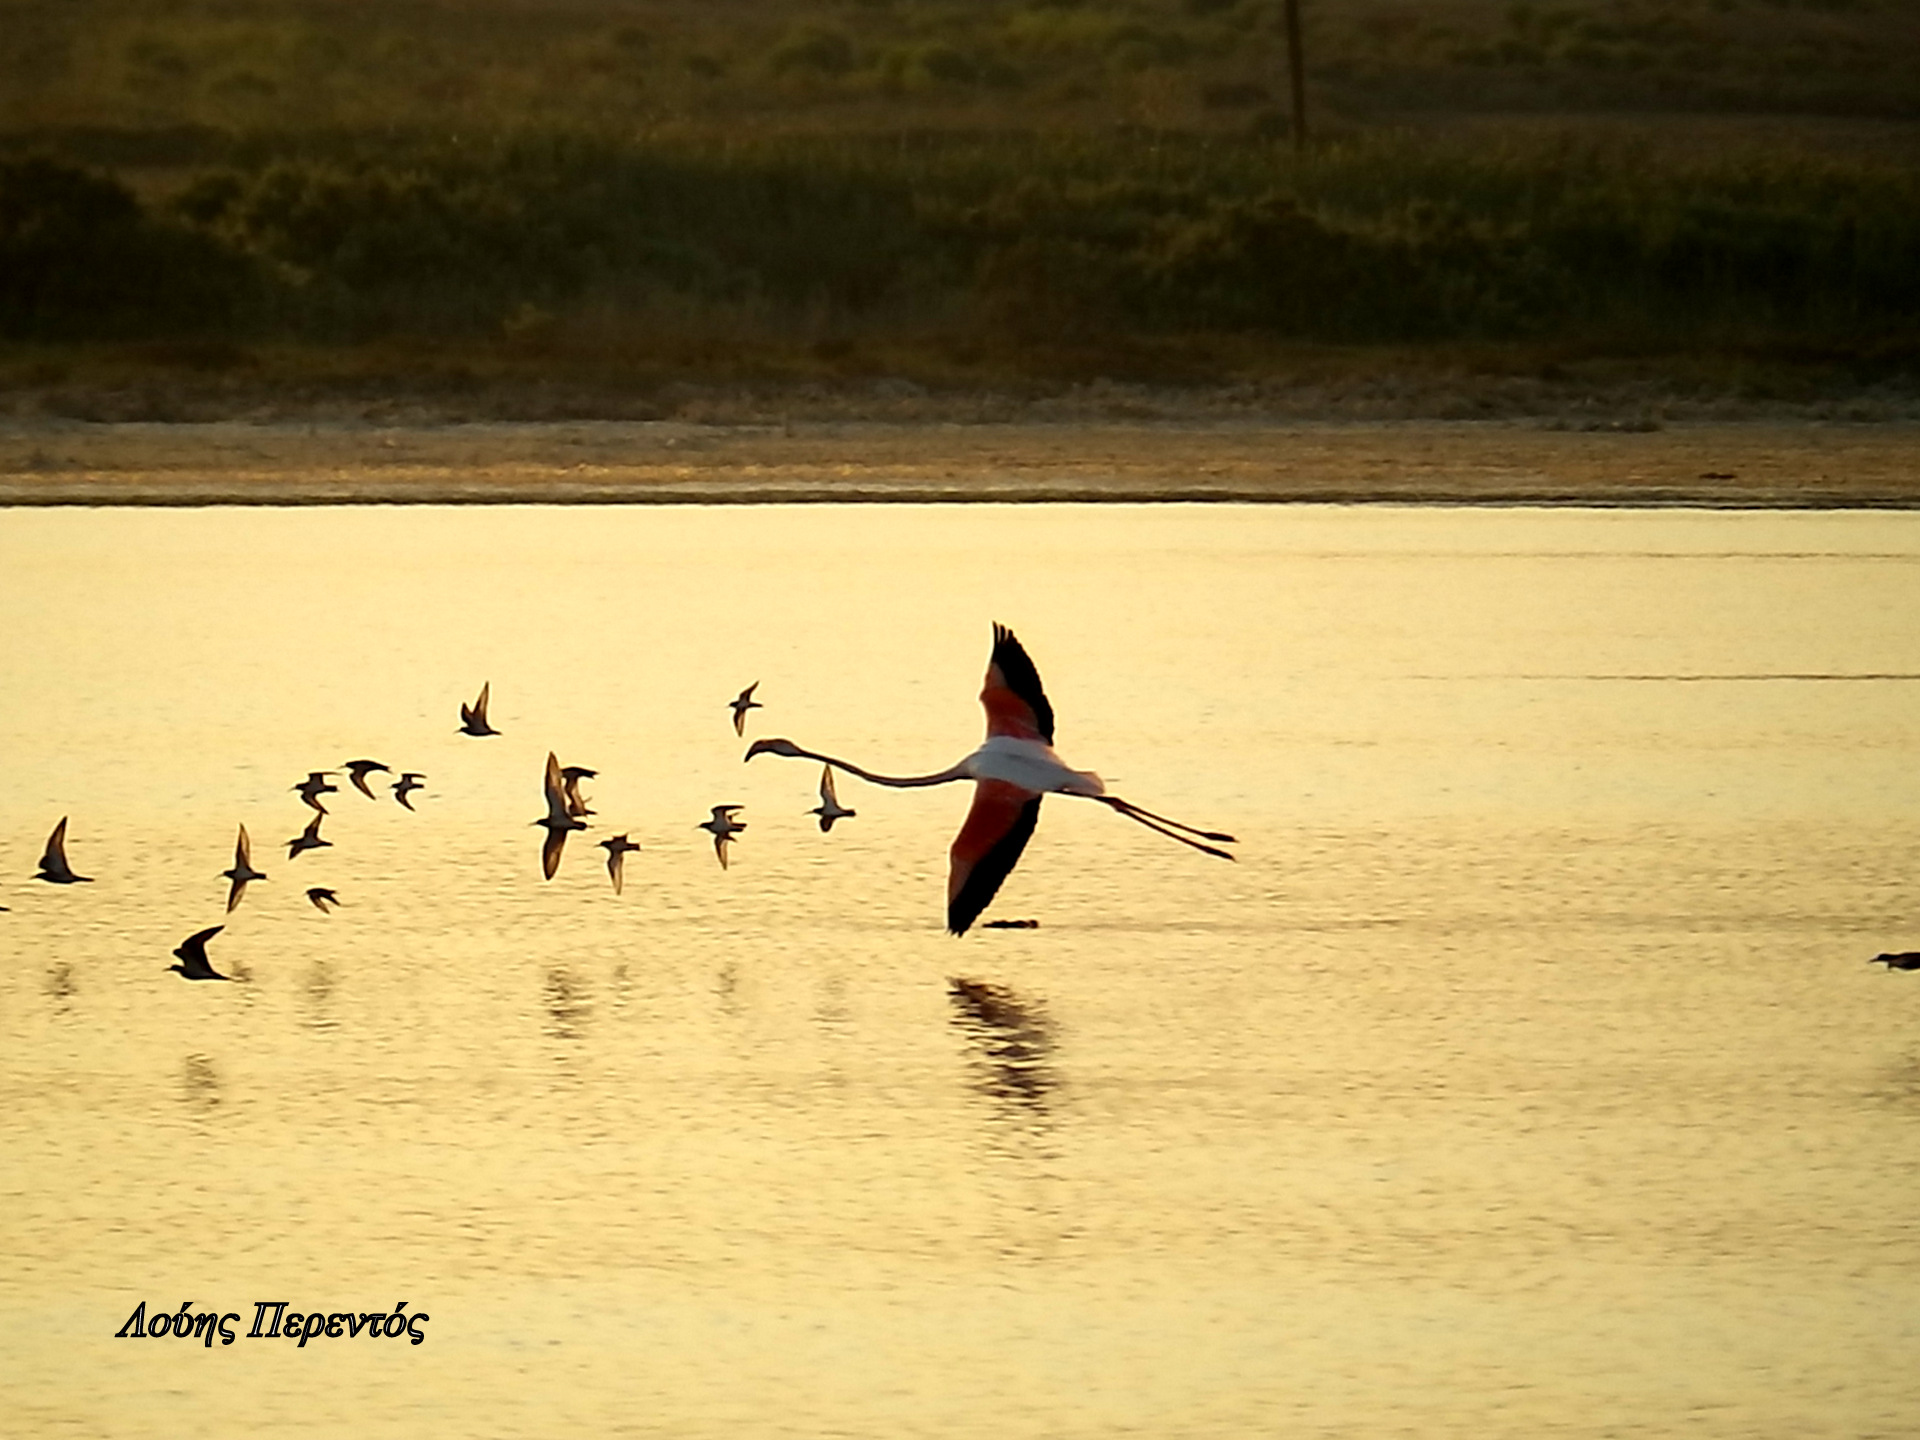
{"type": "Point", "coordinates": [988, 845]}
{"type": "Point", "coordinates": [1015, 703]}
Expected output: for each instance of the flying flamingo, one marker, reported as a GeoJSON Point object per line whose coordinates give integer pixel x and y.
{"type": "Point", "coordinates": [1011, 771]}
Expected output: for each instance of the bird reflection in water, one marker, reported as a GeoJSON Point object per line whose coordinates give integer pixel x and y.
{"type": "Point", "coordinates": [60, 985]}
{"type": "Point", "coordinates": [1011, 1041]}
{"type": "Point", "coordinates": [726, 986]}
{"type": "Point", "coordinates": [1900, 1085]}
{"type": "Point", "coordinates": [319, 988]}
{"type": "Point", "coordinates": [567, 1004]}
{"type": "Point", "coordinates": [199, 1085]}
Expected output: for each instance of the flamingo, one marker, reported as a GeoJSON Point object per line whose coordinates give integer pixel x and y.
{"type": "Point", "coordinates": [1011, 771]}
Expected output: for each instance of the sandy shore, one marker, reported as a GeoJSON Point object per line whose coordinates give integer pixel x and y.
{"type": "Point", "coordinates": [1730, 465]}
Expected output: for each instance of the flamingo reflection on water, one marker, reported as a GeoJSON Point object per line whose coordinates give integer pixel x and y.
{"type": "Point", "coordinates": [1011, 771]}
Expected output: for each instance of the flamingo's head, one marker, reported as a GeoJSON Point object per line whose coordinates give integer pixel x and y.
{"type": "Point", "coordinates": [776, 746]}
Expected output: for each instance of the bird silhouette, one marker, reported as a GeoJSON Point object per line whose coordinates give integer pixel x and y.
{"type": "Point", "coordinates": [829, 809]}
{"type": "Point", "coordinates": [723, 828]}
{"type": "Point", "coordinates": [193, 956]}
{"type": "Point", "coordinates": [408, 782]}
{"type": "Point", "coordinates": [473, 719]}
{"type": "Point", "coordinates": [742, 703]}
{"type": "Point", "coordinates": [53, 864]}
{"type": "Point", "coordinates": [570, 778]}
{"type": "Point", "coordinates": [1905, 960]}
{"type": "Point", "coordinates": [308, 839]}
{"type": "Point", "coordinates": [314, 786]}
{"type": "Point", "coordinates": [558, 820]}
{"type": "Point", "coordinates": [617, 850]}
{"type": "Point", "coordinates": [242, 870]}
{"type": "Point", "coordinates": [1011, 771]}
{"type": "Point", "coordinates": [358, 770]}
{"type": "Point", "coordinates": [322, 897]}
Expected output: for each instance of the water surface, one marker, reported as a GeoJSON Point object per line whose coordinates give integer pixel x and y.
{"type": "Point", "coordinates": [1524, 1077]}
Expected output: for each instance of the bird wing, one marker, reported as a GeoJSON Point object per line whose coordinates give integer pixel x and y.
{"type": "Point", "coordinates": [616, 865]}
{"type": "Point", "coordinates": [1014, 700]}
{"type": "Point", "coordinates": [242, 853]}
{"type": "Point", "coordinates": [570, 790]}
{"type": "Point", "coordinates": [987, 848]}
{"type": "Point", "coordinates": [54, 862]}
{"type": "Point", "coordinates": [193, 953]}
{"type": "Point", "coordinates": [742, 703]}
{"type": "Point", "coordinates": [234, 892]}
{"type": "Point", "coordinates": [556, 792]}
{"type": "Point", "coordinates": [480, 705]}
{"type": "Point", "coordinates": [550, 849]}
{"type": "Point", "coordinates": [828, 797]}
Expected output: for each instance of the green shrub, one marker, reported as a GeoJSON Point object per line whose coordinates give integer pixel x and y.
{"type": "Point", "coordinates": [81, 259]}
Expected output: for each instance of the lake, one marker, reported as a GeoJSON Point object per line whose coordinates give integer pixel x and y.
{"type": "Point", "coordinates": [1525, 1076]}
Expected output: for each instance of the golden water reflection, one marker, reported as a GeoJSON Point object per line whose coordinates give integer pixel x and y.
{"type": "Point", "coordinates": [1524, 1077]}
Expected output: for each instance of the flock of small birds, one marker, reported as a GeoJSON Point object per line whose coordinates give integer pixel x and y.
{"type": "Point", "coordinates": [1012, 772]}
{"type": "Point", "coordinates": [566, 812]}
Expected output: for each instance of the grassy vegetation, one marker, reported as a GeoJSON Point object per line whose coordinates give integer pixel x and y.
{"type": "Point", "coordinates": [958, 193]}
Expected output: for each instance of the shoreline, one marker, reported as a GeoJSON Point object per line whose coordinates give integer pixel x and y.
{"type": "Point", "coordinates": [1748, 464]}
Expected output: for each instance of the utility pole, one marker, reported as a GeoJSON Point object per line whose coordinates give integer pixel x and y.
{"type": "Point", "coordinates": [1297, 74]}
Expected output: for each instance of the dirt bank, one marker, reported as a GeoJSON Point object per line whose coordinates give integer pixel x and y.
{"type": "Point", "coordinates": [1732, 465]}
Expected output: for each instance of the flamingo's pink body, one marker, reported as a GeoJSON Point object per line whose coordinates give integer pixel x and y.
{"type": "Point", "coordinates": [1011, 770]}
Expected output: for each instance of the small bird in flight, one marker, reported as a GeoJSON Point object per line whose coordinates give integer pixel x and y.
{"type": "Point", "coordinates": [241, 872]}
{"type": "Point", "coordinates": [1011, 771]}
{"type": "Point", "coordinates": [558, 819]}
{"type": "Point", "coordinates": [408, 782]}
{"type": "Point", "coordinates": [322, 897]}
{"type": "Point", "coordinates": [308, 839]}
{"type": "Point", "coordinates": [829, 809]}
{"type": "Point", "coordinates": [53, 865]}
{"type": "Point", "coordinates": [1905, 960]}
{"type": "Point", "coordinates": [723, 828]}
{"type": "Point", "coordinates": [617, 850]}
{"type": "Point", "coordinates": [473, 719]}
{"type": "Point", "coordinates": [742, 703]}
{"type": "Point", "coordinates": [358, 770]}
{"type": "Point", "coordinates": [193, 956]}
{"type": "Point", "coordinates": [570, 778]}
{"type": "Point", "coordinates": [314, 786]}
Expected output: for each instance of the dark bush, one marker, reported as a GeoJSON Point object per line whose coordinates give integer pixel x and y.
{"type": "Point", "coordinates": [81, 259]}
